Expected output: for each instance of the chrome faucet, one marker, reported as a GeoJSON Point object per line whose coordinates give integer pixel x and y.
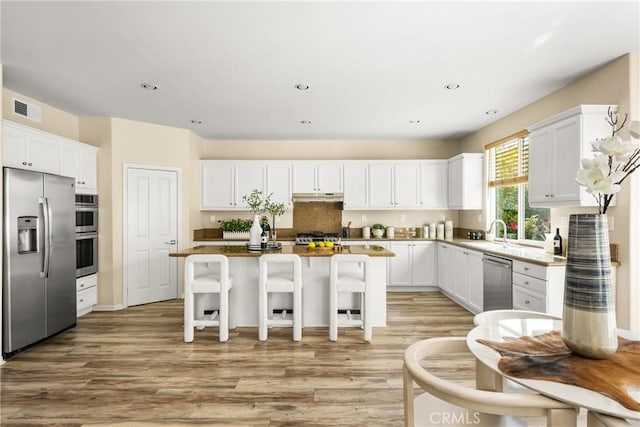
{"type": "Point", "coordinates": [504, 229]}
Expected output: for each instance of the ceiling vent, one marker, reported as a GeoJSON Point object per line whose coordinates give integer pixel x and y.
{"type": "Point", "coordinates": [28, 111]}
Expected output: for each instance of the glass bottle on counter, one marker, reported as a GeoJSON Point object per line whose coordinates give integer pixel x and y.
{"type": "Point", "coordinates": [557, 243]}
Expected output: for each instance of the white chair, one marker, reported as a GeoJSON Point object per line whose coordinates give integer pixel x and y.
{"type": "Point", "coordinates": [495, 315]}
{"type": "Point", "coordinates": [451, 404]}
{"type": "Point", "coordinates": [595, 419]}
{"type": "Point", "coordinates": [488, 379]}
{"type": "Point", "coordinates": [206, 274]}
{"type": "Point", "coordinates": [279, 273]}
{"type": "Point", "coordinates": [350, 273]}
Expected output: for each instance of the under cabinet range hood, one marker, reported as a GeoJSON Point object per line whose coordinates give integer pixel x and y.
{"type": "Point", "coordinates": [318, 197]}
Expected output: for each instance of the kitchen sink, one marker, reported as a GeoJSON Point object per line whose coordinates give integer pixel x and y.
{"type": "Point", "coordinates": [510, 249]}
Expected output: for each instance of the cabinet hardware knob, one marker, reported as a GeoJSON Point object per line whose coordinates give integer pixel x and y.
{"type": "Point", "coordinates": [24, 163]}
{"type": "Point", "coordinates": [526, 269]}
{"type": "Point", "coordinates": [527, 301]}
{"type": "Point", "coordinates": [526, 282]}
{"type": "Point", "coordinates": [30, 164]}
{"type": "Point", "coordinates": [81, 300]}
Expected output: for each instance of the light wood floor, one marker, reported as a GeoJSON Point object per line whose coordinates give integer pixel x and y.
{"type": "Point", "coordinates": [132, 368]}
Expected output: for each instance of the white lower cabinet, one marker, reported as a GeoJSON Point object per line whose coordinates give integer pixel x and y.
{"type": "Point", "coordinates": [460, 275]}
{"type": "Point", "coordinates": [86, 294]}
{"type": "Point", "coordinates": [538, 288]}
{"type": "Point", "coordinates": [414, 264]}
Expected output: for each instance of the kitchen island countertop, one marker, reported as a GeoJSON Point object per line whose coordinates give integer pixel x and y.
{"type": "Point", "coordinates": [303, 251]}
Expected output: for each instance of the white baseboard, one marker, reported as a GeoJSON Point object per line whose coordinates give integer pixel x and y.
{"type": "Point", "coordinates": [108, 307]}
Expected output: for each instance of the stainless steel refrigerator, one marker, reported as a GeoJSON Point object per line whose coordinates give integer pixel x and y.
{"type": "Point", "coordinates": [39, 258]}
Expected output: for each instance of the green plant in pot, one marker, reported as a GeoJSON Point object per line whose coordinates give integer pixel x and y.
{"type": "Point", "coordinates": [235, 228]}
{"type": "Point", "coordinates": [378, 230]}
{"type": "Point", "coordinates": [275, 209]}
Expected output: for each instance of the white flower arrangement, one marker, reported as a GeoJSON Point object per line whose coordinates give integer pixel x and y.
{"type": "Point", "coordinates": [614, 161]}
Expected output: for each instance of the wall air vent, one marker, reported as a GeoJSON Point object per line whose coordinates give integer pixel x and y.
{"type": "Point", "coordinates": [28, 111]}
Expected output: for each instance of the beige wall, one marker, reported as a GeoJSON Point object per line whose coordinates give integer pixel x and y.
{"type": "Point", "coordinates": [54, 120]}
{"type": "Point", "coordinates": [329, 149]}
{"type": "Point", "coordinates": [611, 84]}
{"type": "Point", "coordinates": [141, 144]}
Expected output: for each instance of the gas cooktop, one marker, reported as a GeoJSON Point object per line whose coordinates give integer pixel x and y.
{"type": "Point", "coordinates": [316, 236]}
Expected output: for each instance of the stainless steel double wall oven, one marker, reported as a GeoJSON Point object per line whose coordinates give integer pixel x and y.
{"type": "Point", "coordinates": [86, 234]}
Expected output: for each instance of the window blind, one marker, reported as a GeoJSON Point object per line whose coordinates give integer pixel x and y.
{"type": "Point", "coordinates": [508, 160]}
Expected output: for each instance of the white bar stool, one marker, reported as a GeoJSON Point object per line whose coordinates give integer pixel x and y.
{"type": "Point", "coordinates": [283, 279]}
{"type": "Point", "coordinates": [206, 274]}
{"type": "Point", "coordinates": [350, 273]}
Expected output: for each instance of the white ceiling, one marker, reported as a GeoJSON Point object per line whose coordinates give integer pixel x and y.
{"type": "Point", "coordinates": [372, 67]}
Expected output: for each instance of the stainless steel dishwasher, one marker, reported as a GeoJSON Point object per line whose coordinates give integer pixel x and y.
{"type": "Point", "coordinates": [496, 281]}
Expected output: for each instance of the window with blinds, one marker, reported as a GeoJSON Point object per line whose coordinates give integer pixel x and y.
{"type": "Point", "coordinates": [508, 160]}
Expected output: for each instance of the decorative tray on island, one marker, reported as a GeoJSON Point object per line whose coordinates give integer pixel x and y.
{"type": "Point", "coordinates": [271, 247]}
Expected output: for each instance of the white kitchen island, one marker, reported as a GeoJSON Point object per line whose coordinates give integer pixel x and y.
{"type": "Point", "coordinates": [243, 299]}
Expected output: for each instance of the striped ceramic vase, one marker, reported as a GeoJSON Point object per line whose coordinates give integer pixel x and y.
{"type": "Point", "coordinates": [589, 318]}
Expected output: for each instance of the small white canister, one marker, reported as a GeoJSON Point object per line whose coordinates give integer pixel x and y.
{"type": "Point", "coordinates": [366, 232]}
{"type": "Point", "coordinates": [448, 230]}
{"type": "Point", "coordinates": [432, 230]}
{"type": "Point", "coordinates": [425, 232]}
{"type": "Point", "coordinates": [440, 232]}
{"type": "Point", "coordinates": [390, 232]}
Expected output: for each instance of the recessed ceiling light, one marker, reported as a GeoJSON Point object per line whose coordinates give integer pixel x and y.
{"type": "Point", "coordinates": [414, 122]}
{"type": "Point", "coordinates": [149, 86]}
{"type": "Point", "coordinates": [305, 122]}
{"type": "Point", "coordinates": [302, 86]}
{"type": "Point", "coordinates": [196, 122]}
{"type": "Point", "coordinates": [491, 112]}
{"type": "Point", "coordinates": [452, 86]}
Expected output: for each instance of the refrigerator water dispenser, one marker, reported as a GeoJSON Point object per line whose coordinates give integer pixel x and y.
{"type": "Point", "coordinates": [27, 234]}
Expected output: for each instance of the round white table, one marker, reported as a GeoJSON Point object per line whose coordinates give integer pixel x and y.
{"type": "Point", "coordinates": [574, 395]}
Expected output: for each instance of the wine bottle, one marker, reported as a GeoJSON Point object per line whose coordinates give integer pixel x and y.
{"type": "Point", "coordinates": [263, 239]}
{"type": "Point", "coordinates": [557, 243]}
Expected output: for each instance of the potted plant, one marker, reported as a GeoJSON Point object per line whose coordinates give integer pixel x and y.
{"type": "Point", "coordinates": [255, 202]}
{"type": "Point", "coordinates": [275, 209]}
{"type": "Point", "coordinates": [235, 228]}
{"type": "Point", "coordinates": [377, 230]}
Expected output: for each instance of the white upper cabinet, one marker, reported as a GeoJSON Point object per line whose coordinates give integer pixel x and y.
{"type": "Point", "coordinates": [394, 185]}
{"type": "Point", "coordinates": [280, 182]}
{"type": "Point", "coordinates": [313, 177]}
{"type": "Point", "coordinates": [79, 161]}
{"type": "Point", "coordinates": [27, 148]}
{"type": "Point", "coordinates": [225, 183]}
{"type": "Point", "coordinates": [465, 181]}
{"type": "Point", "coordinates": [556, 148]}
{"type": "Point", "coordinates": [356, 186]}
{"type": "Point", "coordinates": [381, 186]}
{"type": "Point", "coordinates": [433, 184]}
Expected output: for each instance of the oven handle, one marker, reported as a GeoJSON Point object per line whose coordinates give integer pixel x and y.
{"type": "Point", "coordinates": [83, 236]}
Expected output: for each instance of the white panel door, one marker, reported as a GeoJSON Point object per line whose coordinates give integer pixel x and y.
{"type": "Point", "coordinates": [400, 265]}
{"type": "Point", "coordinates": [304, 178]}
{"type": "Point", "coordinates": [151, 234]}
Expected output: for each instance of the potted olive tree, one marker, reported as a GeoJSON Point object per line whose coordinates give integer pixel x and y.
{"type": "Point", "coordinates": [275, 209]}
{"type": "Point", "coordinates": [258, 203]}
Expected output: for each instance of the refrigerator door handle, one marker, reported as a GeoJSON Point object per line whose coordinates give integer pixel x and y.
{"type": "Point", "coordinates": [46, 215]}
